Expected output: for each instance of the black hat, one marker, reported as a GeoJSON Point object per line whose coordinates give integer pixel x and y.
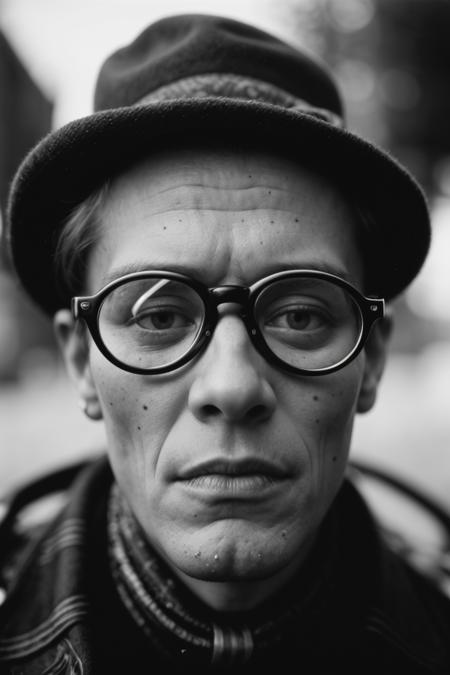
{"type": "Point", "coordinates": [206, 77]}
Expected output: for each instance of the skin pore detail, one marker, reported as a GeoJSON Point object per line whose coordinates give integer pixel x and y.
{"type": "Point", "coordinates": [225, 219]}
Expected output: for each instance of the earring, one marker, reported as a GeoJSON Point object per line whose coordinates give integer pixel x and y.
{"type": "Point", "coordinates": [91, 409]}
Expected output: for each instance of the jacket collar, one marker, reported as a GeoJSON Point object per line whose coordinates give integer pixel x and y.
{"type": "Point", "coordinates": [51, 573]}
{"type": "Point", "coordinates": [402, 608]}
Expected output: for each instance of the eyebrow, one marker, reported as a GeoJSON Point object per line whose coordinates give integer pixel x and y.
{"type": "Point", "coordinates": [132, 268]}
{"type": "Point", "coordinates": [196, 273]}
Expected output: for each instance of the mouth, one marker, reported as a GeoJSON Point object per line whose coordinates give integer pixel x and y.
{"type": "Point", "coordinates": [244, 477]}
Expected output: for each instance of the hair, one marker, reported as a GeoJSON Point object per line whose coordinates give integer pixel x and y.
{"type": "Point", "coordinates": [79, 233]}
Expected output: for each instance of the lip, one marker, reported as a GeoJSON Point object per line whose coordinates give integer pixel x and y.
{"type": "Point", "coordinates": [234, 467]}
{"type": "Point", "coordinates": [236, 478]}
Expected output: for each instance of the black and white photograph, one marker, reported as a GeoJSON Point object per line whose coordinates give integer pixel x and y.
{"type": "Point", "coordinates": [224, 337]}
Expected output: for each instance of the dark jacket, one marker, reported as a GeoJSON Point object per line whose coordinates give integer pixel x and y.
{"type": "Point", "coordinates": [61, 613]}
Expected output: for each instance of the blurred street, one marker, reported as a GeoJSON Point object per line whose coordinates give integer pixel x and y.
{"type": "Point", "coordinates": [41, 426]}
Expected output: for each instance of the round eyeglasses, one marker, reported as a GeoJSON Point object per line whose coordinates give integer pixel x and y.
{"type": "Point", "coordinates": [303, 321]}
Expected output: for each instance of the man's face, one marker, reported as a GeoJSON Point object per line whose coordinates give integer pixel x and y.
{"type": "Point", "coordinates": [226, 219]}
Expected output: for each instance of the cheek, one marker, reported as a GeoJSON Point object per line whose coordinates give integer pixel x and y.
{"type": "Point", "coordinates": [326, 427]}
{"type": "Point", "coordinates": [138, 416]}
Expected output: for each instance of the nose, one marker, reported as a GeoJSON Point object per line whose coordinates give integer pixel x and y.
{"type": "Point", "coordinates": [230, 383]}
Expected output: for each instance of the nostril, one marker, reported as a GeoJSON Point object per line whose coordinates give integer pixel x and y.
{"type": "Point", "coordinates": [257, 412]}
{"type": "Point", "coordinates": [210, 411]}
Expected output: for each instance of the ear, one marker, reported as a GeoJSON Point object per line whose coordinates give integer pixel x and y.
{"type": "Point", "coordinates": [73, 342]}
{"type": "Point", "coordinates": [375, 358]}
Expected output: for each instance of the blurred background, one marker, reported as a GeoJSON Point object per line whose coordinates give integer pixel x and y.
{"type": "Point", "coordinates": [392, 59]}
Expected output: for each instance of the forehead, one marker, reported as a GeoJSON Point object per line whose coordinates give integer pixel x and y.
{"type": "Point", "coordinates": [224, 215]}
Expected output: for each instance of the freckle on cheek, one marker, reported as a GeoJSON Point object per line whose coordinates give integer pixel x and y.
{"type": "Point", "coordinates": [145, 407]}
{"type": "Point", "coordinates": [315, 398]}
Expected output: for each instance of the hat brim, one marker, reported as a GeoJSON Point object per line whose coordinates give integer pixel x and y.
{"type": "Point", "coordinates": [68, 164]}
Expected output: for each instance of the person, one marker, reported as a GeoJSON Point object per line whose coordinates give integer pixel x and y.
{"type": "Point", "coordinates": [216, 250]}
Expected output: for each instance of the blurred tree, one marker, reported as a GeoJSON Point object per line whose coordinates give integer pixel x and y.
{"type": "Point", "coordinates": [25, 116]}
{"type": "Point", "coordinates": [414, 65]}
{"type": "Point", "coordinates": [393, 61]}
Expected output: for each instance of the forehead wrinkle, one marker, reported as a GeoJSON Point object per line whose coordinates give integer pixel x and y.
{"type": "Point", "coordinates": [215, 199]}
{"type": "Point", "coordinates": [208, 209]}
{"type": "Point", "coordinates": [221, 188]}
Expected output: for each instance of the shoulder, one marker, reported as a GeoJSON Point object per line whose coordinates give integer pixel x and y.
{"type": "Point", "coordinates": [45, 542]}
{"type": "Point", "coordinates": [32, 513]}
{"type": "Point", "coordinates": [408, 620]}
{"type": "Point", "coordinates": [407, 616]}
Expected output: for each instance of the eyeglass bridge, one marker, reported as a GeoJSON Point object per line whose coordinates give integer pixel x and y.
{"type": "Point", "coordinates": [230, 293]}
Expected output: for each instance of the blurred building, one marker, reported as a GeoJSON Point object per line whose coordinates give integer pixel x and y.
{"type": "Point", "coordinates": [392, 59]}
{"type": "Point", "coordinates": [25, 116]}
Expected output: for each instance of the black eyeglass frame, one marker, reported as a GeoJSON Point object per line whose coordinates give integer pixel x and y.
{"type": "Point", "coordinates": [88, 308]}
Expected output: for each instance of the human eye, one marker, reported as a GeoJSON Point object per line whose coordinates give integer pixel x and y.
{"type": "Point", "coordinates": [162, 318]}
{"type": "Point", "coordinates": [151, 315]}
{"type": "Point", "coordinates": [308, 322]}
{"type": "Point", "coordinates": [303, 312]}
{"type": "Point", "coordinates": [299, 317]}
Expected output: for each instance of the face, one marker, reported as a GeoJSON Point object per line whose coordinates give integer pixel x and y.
{"type": "Point", "coordinates": [225, 219]}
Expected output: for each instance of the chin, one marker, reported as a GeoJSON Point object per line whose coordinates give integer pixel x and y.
{"type": "Point", "coordinates": [236, 583]}
{"type": "Point", "coordinates": [232, 562]}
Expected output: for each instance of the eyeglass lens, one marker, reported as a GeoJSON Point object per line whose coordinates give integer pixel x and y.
{"type": "Point", "coordinates": [308, 323]}
{"type": "Point", "coordinates": [150, 323]}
